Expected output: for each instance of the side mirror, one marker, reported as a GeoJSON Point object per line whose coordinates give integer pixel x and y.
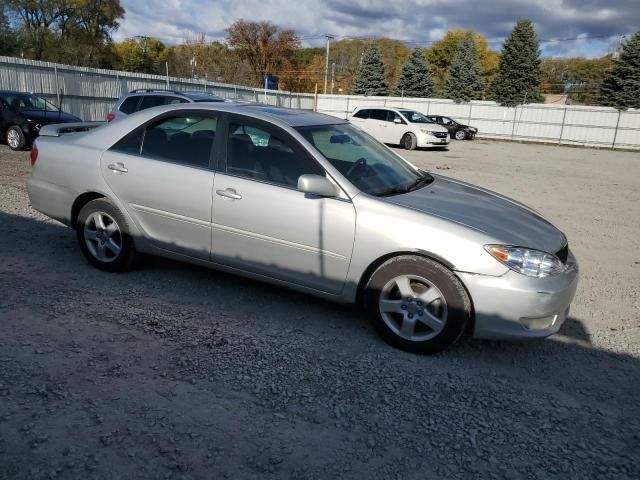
{"type": "Point", "coordinates": [397, 120]}
{"type": "Point", "coordinates": [317, 185]}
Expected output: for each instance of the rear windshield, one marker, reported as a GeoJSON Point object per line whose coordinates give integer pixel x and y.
{"type": "Point", "coordinates": [129, 105]}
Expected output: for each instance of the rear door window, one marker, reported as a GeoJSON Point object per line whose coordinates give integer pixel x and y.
{"type": "Point", "coordinates": [186, 139]}
{"type": "Point", "coordinates": [149, 101]}
{"type": "Point", "coordinates": [362, 114]}
{"type": "Point", "coordinates": [378, 115]}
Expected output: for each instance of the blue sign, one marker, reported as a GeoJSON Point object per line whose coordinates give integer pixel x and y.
{"type": "Point", "coordinates": [271, 82]}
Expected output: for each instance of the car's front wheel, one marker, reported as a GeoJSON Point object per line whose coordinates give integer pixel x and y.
{"type": "Point", "coordinates": [417, 304]}
{"type": "Point", "coordinates": [15, 138]}
{"type": "Point", "coordinates": [461, 135]}
{"type": "Point", "coordinates": [409, 141]}
{"type": "Point", "coordinates": [103, 236]}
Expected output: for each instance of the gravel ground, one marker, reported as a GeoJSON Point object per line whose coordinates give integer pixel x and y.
{"type": "Point", "coordinates": [174, 371]}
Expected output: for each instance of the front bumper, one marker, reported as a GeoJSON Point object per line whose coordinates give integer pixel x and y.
{"type": "Point", "coordinates": [517, 307]}
{"type": "Point", "coordinates": [428, 140]}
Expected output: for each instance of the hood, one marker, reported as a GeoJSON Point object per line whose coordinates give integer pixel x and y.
{"type": "Point", "coordinates": [48, 117]}
{"type": "Point", "coordinates": [503, 219]}
{"type": "Point", "coordinates": [434, 127]}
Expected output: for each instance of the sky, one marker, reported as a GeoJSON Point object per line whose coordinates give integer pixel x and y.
{"type": "Point", "coordinates": [589, 28]}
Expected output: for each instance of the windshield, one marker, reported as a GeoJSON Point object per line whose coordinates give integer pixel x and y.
{"type": "Point", "coordinates": [369, 165]}
{"type": "Point", "coordinates": [415, 117]}
{"type": "Point", "coordinates": [25, 101]}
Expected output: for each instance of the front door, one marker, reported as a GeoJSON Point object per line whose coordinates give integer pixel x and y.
{"type": "Point", "coordinates": [263, 224]}
{"type": "Point", "coordinates": [162, 175]}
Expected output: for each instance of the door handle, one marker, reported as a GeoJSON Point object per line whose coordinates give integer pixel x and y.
{"type": "Point", "coordinates": [118, 167]}
{"type": "Point", "coordinates": [229, 193]}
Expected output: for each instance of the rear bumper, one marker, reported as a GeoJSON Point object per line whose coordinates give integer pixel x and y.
{"type": "Point", "coordinates": [517, 307]}
{"type": "Point", "coordinates": [52, 200]}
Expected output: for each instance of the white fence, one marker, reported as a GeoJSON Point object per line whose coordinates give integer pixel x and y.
{"type": "Point", "coordinates": [90, 92]}
{"type": "Point", "coordinates": [561, 124]}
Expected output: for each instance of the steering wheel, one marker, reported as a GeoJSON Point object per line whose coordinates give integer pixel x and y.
{"type": "Point", "coordinates": [361, 162]}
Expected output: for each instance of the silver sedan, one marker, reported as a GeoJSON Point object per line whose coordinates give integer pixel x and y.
{"type": "Point", "coordinates": [309, 202]}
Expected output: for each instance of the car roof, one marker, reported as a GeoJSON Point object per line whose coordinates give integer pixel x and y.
{"type": "Point", "coordinates": [288, 116]}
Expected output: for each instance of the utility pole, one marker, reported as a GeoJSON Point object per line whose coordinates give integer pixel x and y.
{"type": "Point", "coordinates": [326, 64]}
{"type": "Point", "coordinates": [333, 76]}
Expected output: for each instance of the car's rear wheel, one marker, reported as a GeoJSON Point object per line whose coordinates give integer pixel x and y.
{"type": "Point", "coordinates": [15, 138]}
{"type": "Point", "coordinates": [460, 135]}
{"type": "Point", "coordinates": [103, 236]}
{"type": "Point", "coordinates": [409, 141]}
{"type": "Point", "coordinates": [417, 304]}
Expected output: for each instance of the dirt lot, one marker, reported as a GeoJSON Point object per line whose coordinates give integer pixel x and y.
{"type": "Point", "coordinates": [174, 371]}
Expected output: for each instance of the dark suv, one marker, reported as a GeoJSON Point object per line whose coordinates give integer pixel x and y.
{"type": "Point", "coordinates": [144, 98]}
{"type": "Point", "coordinates": [22, 115]}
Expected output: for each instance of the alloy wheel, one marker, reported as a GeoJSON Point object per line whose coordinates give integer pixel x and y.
{"type": "Point", "coordinates": [13, 139]}
{"type": "Point", "coordinates": [102, 237]}
{"type": "Point", "coordinates": [413, 307]}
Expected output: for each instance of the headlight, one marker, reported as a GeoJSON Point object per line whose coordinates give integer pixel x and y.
{"type": "Point", "coordinates": [532, 263]}
{"type": "Point", "coordinates": [472, 129]}
{"type": "Point", "coordinates": [428, 132]}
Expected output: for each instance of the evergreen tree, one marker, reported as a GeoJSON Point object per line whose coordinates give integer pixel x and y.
{"type": "Point", "coordinates": [415, 80]}
{"type": "Point", "coordinates": [465, 81]}
{"type": "Point", "coordinates": [621, 86]}
{"type": "Point", "coordinates": [520, 74]}
{"type": "Point", "coordinates": [370, 79]}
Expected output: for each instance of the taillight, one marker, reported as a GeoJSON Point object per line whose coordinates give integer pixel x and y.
{"type": "Point", "coordinates": [110, 117]}
{"type": "Point", "coordinates": [34, 155]}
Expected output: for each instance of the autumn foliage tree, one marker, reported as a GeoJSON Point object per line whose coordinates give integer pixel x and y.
{"type": "Point", "coordinates": [263, 45]}
{"type": "Point", "coordinates": [442, 53]}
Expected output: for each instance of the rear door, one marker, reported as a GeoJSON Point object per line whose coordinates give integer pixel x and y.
{"type": "Point", "coordinates": [162, 174]}
{"type": "Point", "coordinates": [379, 125]}
{"type": "Point", "coordinates": [263, 224]}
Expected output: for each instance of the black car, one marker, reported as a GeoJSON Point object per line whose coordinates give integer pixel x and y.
{"type": "Point", "coordinates": [457, 130]}
{"type": "Point", "coordinates": [22, 115]}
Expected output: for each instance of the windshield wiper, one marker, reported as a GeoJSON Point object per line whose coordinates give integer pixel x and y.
{"type": "Point", "coordinates": [419, 182]}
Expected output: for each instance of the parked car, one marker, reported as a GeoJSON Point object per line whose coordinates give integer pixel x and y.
{"type": "Point", "coordinates": [457, 130]}
{"type": "Point", "coordinates": [23, 114]}
{"type": "Point", "coordinates": [407, 128]}
{"type": "Point", "coordinates": [308, 201]}
{"type": "Point", "coordinates": [144, 98]}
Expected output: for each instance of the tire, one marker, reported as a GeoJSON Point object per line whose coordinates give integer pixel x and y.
{"type": "Point", "coordinates": [434, 318]}
{"type": "Point", "coordinates": [460, 135]}
{"type": "Point", "coordinates": [15, 138]}
{"type": "Point", "coordinates": [99, 224]}
{"type": "Point", "coordinates": [409, 141]}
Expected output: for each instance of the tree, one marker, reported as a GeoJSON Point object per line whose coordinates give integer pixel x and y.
{"type": "Point", "coordinates": [73, 31]}
{"type": "Point", "coordinates": [196, 57]}
{"type": "Point", "coordinates": [144, 55]}
{"type": "Point", "coordinates": [579, 78]}
{"type": "Point", "coordinates": [520, 74]}
{"type": "Point", "coordinates": [370, 79]}
{"type": "Point", "coordinates": [415, 80]}
{"type": "Point", "coordinates": [621, 86]}
{"type": "Point", "coordinates": [8, 40]}
{"type": "Point", "coordinates": [441, 54]}
{"type": "Point", "coordinates": [464, 81]}
{"type": "Point", "coordinates": [263, 45]}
